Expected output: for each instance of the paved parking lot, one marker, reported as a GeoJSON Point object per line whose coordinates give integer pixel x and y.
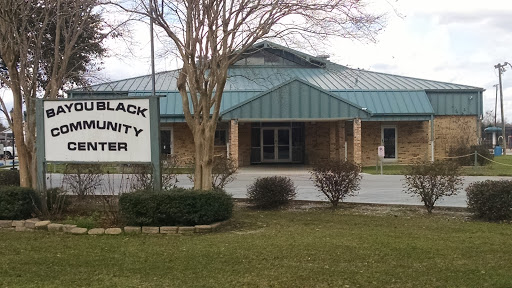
{"type": "Point", "coordinates": [378, 189]}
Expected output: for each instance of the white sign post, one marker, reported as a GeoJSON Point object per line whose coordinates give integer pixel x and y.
{"type": "Point", "coordinates": [380, 153]}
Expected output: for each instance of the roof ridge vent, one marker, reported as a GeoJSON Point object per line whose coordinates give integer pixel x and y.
{"type": "Point", "coordinates": [323, 56]}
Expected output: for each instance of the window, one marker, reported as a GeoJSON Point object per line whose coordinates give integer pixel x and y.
{"type": "Point", "coordinates": [166, 141]}
{"type": "Point", "coordinates": [220, 137]}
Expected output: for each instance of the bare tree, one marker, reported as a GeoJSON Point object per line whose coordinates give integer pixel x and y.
{"type": "Point", "coordinates": [210, 35]}
{"type": "Point", "coordinates": [45, 45]}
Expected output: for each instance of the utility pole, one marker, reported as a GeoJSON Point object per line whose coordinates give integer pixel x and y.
{"type": "Point", "coordinates": [495, 104]}
{"type": "Point", "coordinates": [501, 69]}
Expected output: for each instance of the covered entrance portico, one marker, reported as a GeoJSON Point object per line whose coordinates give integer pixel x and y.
{"type": "Point", "coordinates": [294, 123]}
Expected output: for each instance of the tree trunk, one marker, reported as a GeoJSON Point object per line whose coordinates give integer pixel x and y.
{"type": "Point", "coordinates": [17, 128]}
{"type": "Point", "coordinates": [203, 144]}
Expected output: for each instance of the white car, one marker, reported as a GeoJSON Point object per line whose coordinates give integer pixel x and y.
{"type": "Point", "coordinates": [7, 153]}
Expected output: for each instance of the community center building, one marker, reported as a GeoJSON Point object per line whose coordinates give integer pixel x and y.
{"type": "Point", "coordinates": [284, 106]}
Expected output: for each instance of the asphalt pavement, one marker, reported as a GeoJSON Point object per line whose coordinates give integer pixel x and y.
{"type": "Point", "coordinates": [376, 189]}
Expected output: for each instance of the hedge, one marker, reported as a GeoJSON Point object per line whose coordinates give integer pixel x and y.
{"type": "Point", "coordinates": [173, 207]}
{"type": "Point", "coordinates": [490, 200]}
{"type": "Point", "coordinates": [17, 203]}
{"type": "Point", "coordinates": [9, 177]}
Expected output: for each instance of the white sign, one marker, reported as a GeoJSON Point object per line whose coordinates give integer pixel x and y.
{"type": "Point", "coordinates": [97, 130]}
{"type": "Point", "coordinates": [380, 151]}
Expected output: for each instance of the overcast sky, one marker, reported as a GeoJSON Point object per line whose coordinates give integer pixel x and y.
{"type": "Point", "coordinates": [456, 41]}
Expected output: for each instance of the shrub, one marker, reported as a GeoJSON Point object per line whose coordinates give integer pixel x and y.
{"type": "Point", "coordinates": [271, 192]}
{"type": "Point", "coordinates": [178, 206]}
{"type": "Point", "coordinates": [336, 179]}
{"type": "Point", "coordinates": [9, 177]}
{"type": "Point", "coordinates": [490, 200]}
{"type": "Point", "coordinates": [17, 203]}
{"type": "Point", "coordinates": [57, 201]}
{"type": "Point", "coordinates": [463, 149]}
{"type": "Point", "coordinates": [82, 179]}
{"type": "Point", "coordinates": [142, 175]}
{"type": "Point", "coordinates": [223, 171]}
{"type": "Point", "coordinates": [432, 181]}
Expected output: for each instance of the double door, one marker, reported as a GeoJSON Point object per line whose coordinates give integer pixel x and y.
{"type": "Point", "coordinates": [276, 144]}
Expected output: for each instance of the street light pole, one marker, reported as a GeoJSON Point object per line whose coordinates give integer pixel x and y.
{"type": "Point", "coordinates": [501, 69]}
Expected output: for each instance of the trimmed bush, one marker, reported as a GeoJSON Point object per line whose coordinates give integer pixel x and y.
{"type": "Point", "coordinates": [271, 192]}
{"type": "Point", "coordinates": [490, 200]}
{"type": "Point", "coordinates": [432, 181]}
{"type": "Point", "coordinates": [173, 207]}
{"type": "Point", "coordinates": [17, 203]}
{"type": "Point", "coordinates": [336, 179]}
{"type": "Point", "coordinates": [9, 177]}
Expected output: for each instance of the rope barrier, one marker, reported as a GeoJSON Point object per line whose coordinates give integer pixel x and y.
{"type": "Point", "coordinates": [453, 157]}
{"type": "Point", "coordinates": [493, 160]}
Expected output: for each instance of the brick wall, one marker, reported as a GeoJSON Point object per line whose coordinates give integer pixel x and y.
{"type": "Point", "coordinates": [244, 144]}
{"type": "Point", "coordinates": [451, 130]}
{"type": "Point", "coordinates": [183, 144]}
{"type": "Point", "coordinates": [317, 141]}
{"type": "Point", "coordinates": [412, 141]}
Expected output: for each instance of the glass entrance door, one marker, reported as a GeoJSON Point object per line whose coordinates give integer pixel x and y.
{"type": "Point", "coordinates": [275, 145]}
{"type": "Point", "coordinates": [389, 142]}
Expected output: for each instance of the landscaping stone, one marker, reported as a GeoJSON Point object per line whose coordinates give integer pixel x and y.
{"type": "Point", "coordinates": [18, 223]}
{"type": "Point", "coordinates": [5, 223]}
{"type": "Point", "coordinates": [68, 227]}
{"type": "Point", "coordinates": [169, 229]}
{"type": "Point", "coordinates": [31, 224]}
{"type": "Point", "coordinates": [216, 226]}
{"type": "Point", "coordinates": [55, 227]}
{"type": "Point", "coordinates": [113, 231]}
{"type": "Point", "coordinates": [79, 231]}
{"type": "Point", "coordinates": [96, 231]}
{"type": "Point", "coordinates": [20, 228]}
{"type": "Point", "coordinates": [132, 229]}
{"type": "Point", "coordinates": [150, 230]}
{"type": "Point", "coordinates": [186, 229]}
{"type": "Point", "coordinates": [43, 225]}
{"type": "Point", "coordinates": [203, 228]}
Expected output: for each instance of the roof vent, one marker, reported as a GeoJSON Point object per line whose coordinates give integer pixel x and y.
{"type": "Point", "coordinates": [323, 56]}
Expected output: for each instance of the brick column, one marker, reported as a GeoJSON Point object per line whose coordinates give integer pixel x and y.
{"type": "Point", "coordinates": [357, 141]}
{"type": "Point", "coordinates": [233, 141]}
{"type": "Point", "coordinates": [341, 140]}
{"type": "Point", "coordinates": [333, 155]}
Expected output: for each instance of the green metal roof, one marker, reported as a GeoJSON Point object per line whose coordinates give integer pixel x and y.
{"type": "Point", "coordinates": [387, 96]}
{"type": "Point", "coordinates": [260, 78]}
{"type": "Point", "coordinates": [390, 102]}
{"type": "Point", "coordinates": [293, 100]}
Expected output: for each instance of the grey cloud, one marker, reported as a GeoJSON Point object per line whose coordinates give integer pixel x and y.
{"type": "Point", "coordinates": [497, 19]}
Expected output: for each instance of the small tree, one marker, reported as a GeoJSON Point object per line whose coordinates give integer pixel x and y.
{"type": "Point", "coordinates": [432, 181]}
{"type": "Point", "coordinates": [210, 36]}
{"type": "Point", "coordinates": [336, 179]}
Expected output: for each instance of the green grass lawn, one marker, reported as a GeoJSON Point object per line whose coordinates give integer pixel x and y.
{"type": "Point", "coordinates": [354, 247]}
{"type": "Point", "coordinates": [493, 169]}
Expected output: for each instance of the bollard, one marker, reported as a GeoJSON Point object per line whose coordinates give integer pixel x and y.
{"type": "Point", "coordinates": [476, 158]}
